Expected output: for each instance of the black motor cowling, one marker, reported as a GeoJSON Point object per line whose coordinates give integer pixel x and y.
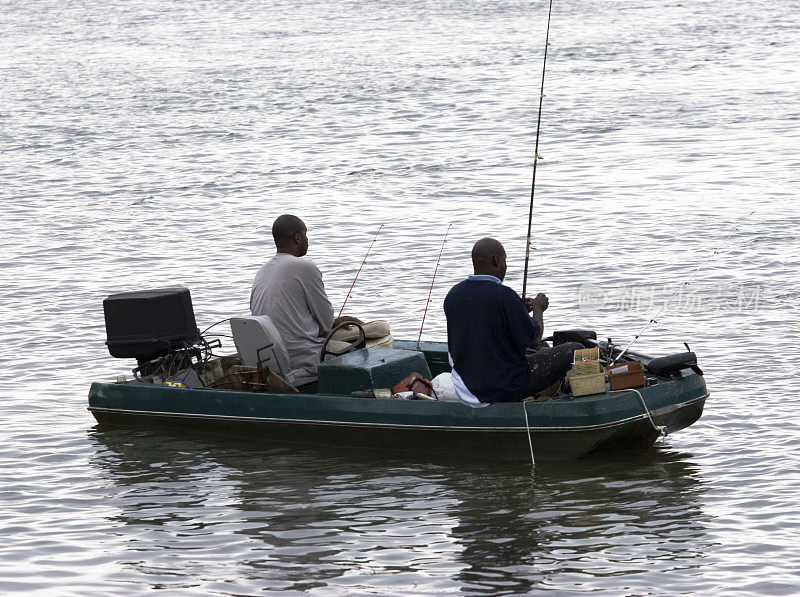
{"type": "Point", "coordinates": [665, 366]}
{"type": "Point", "coordinates": [581, 336]}
{"type": "Point", "coordinates": [148, 324]}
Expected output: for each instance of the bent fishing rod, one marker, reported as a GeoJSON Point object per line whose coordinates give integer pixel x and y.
{"type": "Point", "coordinates": [536, 155]}
{"type": "Point", "coordinates": [359, 269]}
{"type": "Point", "coordinates": [436, 269]}
{"type": "Point", "coordinates": [654, 318]}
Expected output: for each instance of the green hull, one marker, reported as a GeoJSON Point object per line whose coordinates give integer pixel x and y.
{"type": "Point", "coordinates": [560, 429]}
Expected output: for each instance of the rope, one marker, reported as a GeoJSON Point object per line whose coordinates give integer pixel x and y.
{"type": "Point", "coordinates": [662, 431]}
{"type": "Point", "coordinates": [528, 429]}
{"type": "Point", "coordinates": [215, 324]}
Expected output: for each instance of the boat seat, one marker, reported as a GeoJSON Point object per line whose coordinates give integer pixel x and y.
{"type": "Point", "coordinates": [257, 341]}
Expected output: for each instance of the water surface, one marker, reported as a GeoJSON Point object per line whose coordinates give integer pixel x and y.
{"type": "Point", "coordinates": [151, 144]}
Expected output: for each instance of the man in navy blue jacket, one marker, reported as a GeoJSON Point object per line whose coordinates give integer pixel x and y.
{"type": "Point", "coordinates": [489, 330]}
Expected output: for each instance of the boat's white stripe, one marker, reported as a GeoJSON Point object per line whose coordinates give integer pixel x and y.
{"type": "Point", "coordinates": [383, 425]}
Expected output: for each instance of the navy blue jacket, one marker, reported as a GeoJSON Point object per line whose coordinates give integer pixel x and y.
{"type": "Point", "coordinates": [488, 330]}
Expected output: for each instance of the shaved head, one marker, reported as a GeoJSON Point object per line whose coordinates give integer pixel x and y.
{"type": "Point", "coordinates": [485, 249]}
{"type": "Point", "coordinates": [289, 233]}
{"type": "Point", "coordinates": [489, 257]}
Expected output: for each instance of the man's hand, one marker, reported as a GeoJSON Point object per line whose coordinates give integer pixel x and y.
{"type": "Point", "coordinates": [346, 318]}
{"type": "Point", "coordinates": [541, 301]}
{"type": "Point", "coordinates": [536, 307]}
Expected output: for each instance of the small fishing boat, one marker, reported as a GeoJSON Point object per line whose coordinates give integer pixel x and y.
{"type": "Point", "coordinates": [180, 383]}
{"type": "Point", "coordinates": [251, 395]}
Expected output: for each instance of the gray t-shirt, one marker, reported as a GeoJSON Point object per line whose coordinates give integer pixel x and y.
{"type": "Point", "coordinates": [290, 291]}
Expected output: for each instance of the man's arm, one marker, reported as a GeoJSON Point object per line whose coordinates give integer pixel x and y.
{"type": "Point", "coordinates": [536, 307]}
{"type": "Point", "coordinates": [317, 300]}
{"type": "Point", "coordinates": [522, 329]}
{"type": "Point", "coordinates": [319, 304]}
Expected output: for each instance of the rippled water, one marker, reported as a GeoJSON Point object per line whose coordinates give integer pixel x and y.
{"type": "Point", "coordinates": [151, 143]}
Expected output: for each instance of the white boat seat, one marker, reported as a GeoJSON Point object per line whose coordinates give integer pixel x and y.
{"type": "Point", "coordinates": [258, 340]}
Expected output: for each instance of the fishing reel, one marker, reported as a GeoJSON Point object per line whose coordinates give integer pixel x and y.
{"type": "Point", "coordinates": [607, 349]}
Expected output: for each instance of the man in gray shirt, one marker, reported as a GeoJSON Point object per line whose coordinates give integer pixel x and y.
{"type": "Point", "coordinates": [290, 291]}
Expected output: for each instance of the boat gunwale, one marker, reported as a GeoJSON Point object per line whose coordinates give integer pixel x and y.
{"type": "Point", "coordinates": [275, 420]}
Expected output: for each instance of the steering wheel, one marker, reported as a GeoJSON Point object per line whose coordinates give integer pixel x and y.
{"type": "Point", "coordinates": [358, 344]}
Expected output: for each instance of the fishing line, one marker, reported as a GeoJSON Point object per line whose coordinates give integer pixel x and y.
{"type": "Point", "coordinates": [654, 318]}
{"type": "Point", "coordinates": [536, 156]}
{"type": "Point", "coordinates": [432, 281]}
{"type": "Point", "coordinates": [359, 269]}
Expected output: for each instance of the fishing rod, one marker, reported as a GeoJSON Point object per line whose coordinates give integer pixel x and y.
{"type": "Point", "coordinates": [432, 281]}
{"type": "Point", "coordinates": [536, 155]}
{"type": "Point", "coordinates": [654, 318]}
{"type": "Point", "coordinates": [359, 269]}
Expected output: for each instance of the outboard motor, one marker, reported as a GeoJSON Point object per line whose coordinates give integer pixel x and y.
{"type": "Point", "coordinates": [149, 325]}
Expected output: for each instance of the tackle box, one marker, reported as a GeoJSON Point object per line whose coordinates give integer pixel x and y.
{"type": "Point", "coordinates": [583, 385]}
{"type": "Point", "coordinates": [587, 375]}
{"type": "Point", "coordinates": [586, 361]}
{"type": "Point", "coordinates": [626, 375]}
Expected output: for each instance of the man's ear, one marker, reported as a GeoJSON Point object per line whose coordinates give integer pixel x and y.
{"type": "Point", "coordinates": [496, 260]}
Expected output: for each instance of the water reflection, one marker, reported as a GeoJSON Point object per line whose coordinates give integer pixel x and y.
{"type": "Point", "coordinates": [581, 523]}
{"type": "Point", "coordinates": [308, 519]}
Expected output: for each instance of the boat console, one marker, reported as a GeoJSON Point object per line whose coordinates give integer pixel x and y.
{"type": "Point", "coordinates": [369, 369]}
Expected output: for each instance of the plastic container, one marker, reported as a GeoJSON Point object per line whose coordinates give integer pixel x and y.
{"type": "Point", "coordinates": [583, 385]}
{"type": "Point", "coordinates": [587, 368]}
{"type": "Point", "coordinates": [591, 354]}
{"type": "Point", "coordinates": [586, 361]}
{"type": "Point", "coordinates": [626, 375]}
